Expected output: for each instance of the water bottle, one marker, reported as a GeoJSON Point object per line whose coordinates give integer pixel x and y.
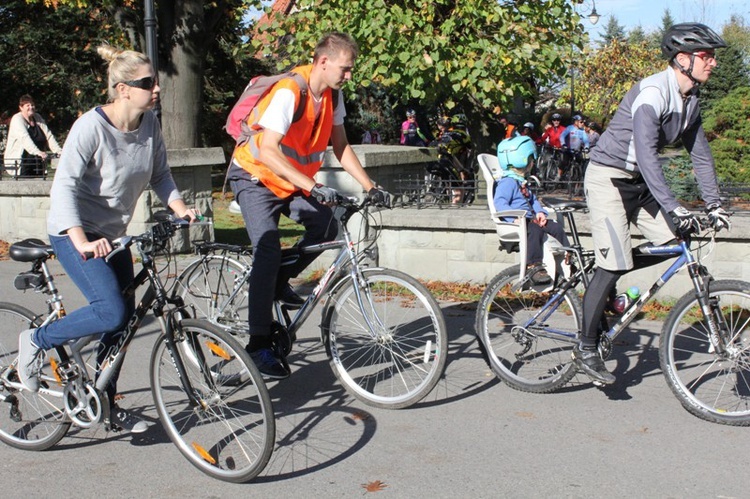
{"type": "Point", "coordinates": [624, 300]}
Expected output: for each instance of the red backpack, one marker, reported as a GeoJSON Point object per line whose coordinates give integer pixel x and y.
{"type": "Point", "coordinates": [256, 89]}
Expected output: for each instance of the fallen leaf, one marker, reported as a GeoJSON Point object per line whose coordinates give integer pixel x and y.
{"type": "Point", "coordinates": [375, 486]}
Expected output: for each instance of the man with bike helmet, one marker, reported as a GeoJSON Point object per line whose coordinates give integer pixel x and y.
{"type": "Point", "coordinates": [625, 183]}
{"type": "Point", "coordinates": [512, 192]}
{"type": "Point", "coordinates": [574, 139]}
{"type": "Point", "coordinates": [553, 132]}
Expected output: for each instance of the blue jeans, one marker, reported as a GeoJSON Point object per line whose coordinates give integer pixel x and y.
{"type": "Point", "coordinates": [261, 210]}
{"type": "Point", "coordinates": [101, 283]}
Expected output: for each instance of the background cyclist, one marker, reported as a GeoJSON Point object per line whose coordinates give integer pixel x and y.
{"type": "Point", "coordinates": [553, 132]}
{"type": "Point", "coordinates": [624, 181]}
{"type": "Point", "coordinates": [411, 134]}
{"type": "Point", "coordinates": [573, 139]}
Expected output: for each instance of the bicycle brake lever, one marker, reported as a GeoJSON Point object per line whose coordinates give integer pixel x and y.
{"type": "Point", "coordinates": [118, 245]}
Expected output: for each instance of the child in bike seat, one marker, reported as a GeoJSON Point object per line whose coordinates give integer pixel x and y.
{"type": "Point", "coordinates": [512, 192]}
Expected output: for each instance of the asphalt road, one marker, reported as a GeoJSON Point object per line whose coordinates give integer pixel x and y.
{"type": "Point", "coordinates": [472, 437]}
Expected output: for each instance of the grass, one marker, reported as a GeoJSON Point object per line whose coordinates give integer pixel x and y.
{"type": "Point", "coordinates": [230, 227]}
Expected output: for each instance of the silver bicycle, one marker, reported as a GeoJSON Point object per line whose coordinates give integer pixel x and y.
{"type": "Point", "coordinates": [383, 331]}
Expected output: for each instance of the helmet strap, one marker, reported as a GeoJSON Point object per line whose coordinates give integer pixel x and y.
{"type": "Point", "coordinates": [689, 71]}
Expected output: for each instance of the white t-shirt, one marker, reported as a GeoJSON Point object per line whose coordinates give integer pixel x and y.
{"type": "Point", "coordinates": [280, 111]}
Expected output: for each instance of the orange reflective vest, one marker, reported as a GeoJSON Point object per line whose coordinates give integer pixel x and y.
{"type": "Point", "coordinates": [304, 144]}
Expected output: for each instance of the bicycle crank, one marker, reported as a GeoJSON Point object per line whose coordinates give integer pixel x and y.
{"type": "Point", "coordinates": [82, 404]}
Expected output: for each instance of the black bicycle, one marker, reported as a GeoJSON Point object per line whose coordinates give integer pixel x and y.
{"type": "Point", "coordinates": [209, 395]}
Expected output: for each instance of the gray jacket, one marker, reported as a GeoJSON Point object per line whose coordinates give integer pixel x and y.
{"type": "Point", "coordinates": [652, 115]}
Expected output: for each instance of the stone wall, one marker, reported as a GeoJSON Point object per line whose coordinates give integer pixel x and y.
{"type": "Point", "coordinates": [24, 203]}
{"type": "Point", "coordinates": [461, 245]}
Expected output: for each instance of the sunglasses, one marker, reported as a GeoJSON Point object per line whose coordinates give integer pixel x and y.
{"type": "Point", "coordinates": [146, 83]}
{"type": "Point", "coordinates": [706, 56]}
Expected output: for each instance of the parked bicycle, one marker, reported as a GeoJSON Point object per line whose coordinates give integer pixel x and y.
{"type": "Point", "coordinates": [209, 395]}
{"type": "Point", "coordinates": [548, 166]}
{"type": "Point", "coordinates": [383, 331]}
{"type": "Point", "coordinates": [529, 331]}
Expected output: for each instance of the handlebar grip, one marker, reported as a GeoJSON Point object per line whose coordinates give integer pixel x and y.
{"type": "Point", "coordinates": [88, 255]}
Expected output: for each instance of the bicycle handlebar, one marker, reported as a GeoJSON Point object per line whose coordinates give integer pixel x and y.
{"type": "Point", "coordinates": [154, 238]}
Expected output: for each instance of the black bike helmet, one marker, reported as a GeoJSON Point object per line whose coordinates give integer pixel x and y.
{"type": "Point", "coordinates": [689, 37]}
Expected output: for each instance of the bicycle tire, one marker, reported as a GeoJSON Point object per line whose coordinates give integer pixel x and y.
{"type": "Point", "coordinates": [207, 286]}
{"type": "Point", "coordinates": [28, 421]}
{"type": "Point", "coordinates": [575, 179]}
{"type": "Point", "coordinates": [231, 434]}
{"type": "Point", "coordinates": [710, 386]}
{"type": "Point", "coordinates": [536, 360]}
{"type": "Point", "coordinates": [405, 360]}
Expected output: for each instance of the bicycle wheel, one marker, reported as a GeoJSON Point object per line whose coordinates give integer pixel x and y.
{"type": "Point", "coordinates": [230, 434]}
{"type": "Point", "coordinates": [531, 356]}
{"type": "Point", "coordinates": [214, 288]}
{"type": "Point", "coordinates": [575, 179]}
{"type": "Point", "coordinates": [390, 352]}
{"type": "Point", "coordinates": [712, 386]}
{"type": "Point", "coordinates": [29, 421]}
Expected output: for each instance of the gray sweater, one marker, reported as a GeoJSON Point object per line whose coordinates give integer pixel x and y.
{"type": "Point", "coordinates": [102, 173]}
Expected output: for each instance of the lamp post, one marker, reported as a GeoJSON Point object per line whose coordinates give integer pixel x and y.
{"type": "Point", "coordinates": [593, 18]}
{"type": "Point", "coordinates": [149, 22]}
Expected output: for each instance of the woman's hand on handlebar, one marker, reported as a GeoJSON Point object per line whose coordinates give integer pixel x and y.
{"type": "Point", "coordinates": [95, 249]}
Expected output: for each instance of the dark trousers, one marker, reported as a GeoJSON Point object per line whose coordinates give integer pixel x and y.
{"type": "Point", "coordinates": [261, 210]}
{"type": "Point", "coordinates": [535, 239]}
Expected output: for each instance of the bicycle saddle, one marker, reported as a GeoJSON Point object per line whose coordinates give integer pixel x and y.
{"type": "Point", "coordinates": [560, 204]}
{"type": "Point", "coordinates": [30, 250]}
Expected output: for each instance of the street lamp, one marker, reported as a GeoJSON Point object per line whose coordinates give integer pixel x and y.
{"type": "Point", "coordinates": [593, 19]}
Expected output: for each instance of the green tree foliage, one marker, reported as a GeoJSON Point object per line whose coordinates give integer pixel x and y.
{"type": "Point", "coordinates": [54, 62]}
{"type": "Point", "coordinates": [608, 73]}
{"type": "Point", "coordinates": [728, 128]}
{"type": "Point", "coordinates": [614, 31]}
{"type": "Point", "coordinates": [188, 31]}
{"type": "Point", "coordinates": [731, 72]}
{"type": "Point", "coordinates": [637, 36]}
{"type": "Point", "coordinates": [469, 56]}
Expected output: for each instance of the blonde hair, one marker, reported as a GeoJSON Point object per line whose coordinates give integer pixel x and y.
{"type": "Point", "coordinates": [122, 65]}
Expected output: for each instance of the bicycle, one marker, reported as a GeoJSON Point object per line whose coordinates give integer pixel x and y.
{"type": "Point", "coordinates": [528, 332]}
{"type": "Point", "coordinates": [383, 332]}
{"type": "Point", "coordinates": [575, 172]}
{"type": "Point", "coordinates": [548, 166]}
{"type": "Point", "coordinates": [209, 395]}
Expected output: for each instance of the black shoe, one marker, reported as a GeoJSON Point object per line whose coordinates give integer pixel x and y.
{"type": "Point", "coordinates": [268, 365]}
{"type": "Point", "coordinates": [538, 274]}
{"type": "Point", "coordinates": [289, 297]}
{"type": "Point", "coordinates": [591, 363]}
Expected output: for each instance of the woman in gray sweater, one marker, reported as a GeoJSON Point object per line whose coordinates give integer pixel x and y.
{"type": "Point", "coordinates": [111, 154]}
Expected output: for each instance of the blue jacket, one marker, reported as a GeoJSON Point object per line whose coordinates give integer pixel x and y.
{"type": "Point", "coordinates": [508, 196]}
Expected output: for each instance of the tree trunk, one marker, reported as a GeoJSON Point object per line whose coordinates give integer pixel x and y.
{"type": "Point", "coordinates": [181, 59]}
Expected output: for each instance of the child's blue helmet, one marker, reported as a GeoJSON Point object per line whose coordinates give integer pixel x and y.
{"type": "Point", "coordinates": [515, 152]}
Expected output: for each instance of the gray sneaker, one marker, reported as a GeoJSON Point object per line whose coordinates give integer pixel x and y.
{"type": "Point", "coordinates": [30, 360]}
{"type": "Point", "coordinates": [591, 363]}
{"type": "Point", "coordinates": [123, 420]}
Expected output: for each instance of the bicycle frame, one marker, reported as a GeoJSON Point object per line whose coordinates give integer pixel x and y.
{"type": "Point", "coordinates": [332, 278]}
{"type": "Point", "coordinates": [684, 257]}
{"type": "Point", "coordinates": [76, 379]}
